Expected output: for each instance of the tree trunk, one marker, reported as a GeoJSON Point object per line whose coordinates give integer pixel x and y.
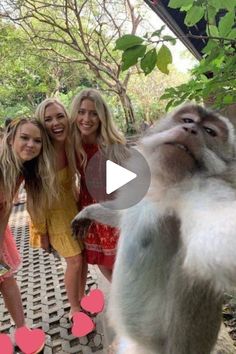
{"type": "Point", "coordinates": [128, 110]}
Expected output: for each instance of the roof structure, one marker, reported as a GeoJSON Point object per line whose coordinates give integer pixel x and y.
{"type": "Point", "coordinates": [174, 19]}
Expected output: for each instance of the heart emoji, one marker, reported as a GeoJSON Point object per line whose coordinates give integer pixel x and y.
{"type": "Point", "coordinates": [6, 344]}
{"type": "Point", "coordinates": [82, 324]}
{"type": "Point", "coordinates": [30, 341]}
{"type": "Point", "coordinates": [94, 302]}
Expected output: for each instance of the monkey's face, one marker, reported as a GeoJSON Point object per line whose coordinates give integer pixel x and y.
{"type": "Point", "coordinates": [190, 140]}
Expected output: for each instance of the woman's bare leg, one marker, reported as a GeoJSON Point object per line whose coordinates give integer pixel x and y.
{"type": "Point", "coordinates": [106, 272]}
{"type": "Point", "coordinates": [72, 281]}
{"type": "Point", "coordinates": [12, 298]}
{"type": "Point", "coordinates": [83, 280]}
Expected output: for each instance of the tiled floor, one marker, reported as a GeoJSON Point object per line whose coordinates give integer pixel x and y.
{"type": "Point", "coordinates": [44, 297]}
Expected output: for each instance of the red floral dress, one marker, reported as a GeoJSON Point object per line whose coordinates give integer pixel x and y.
{"type": "Point", "coordinates": [101, 240]}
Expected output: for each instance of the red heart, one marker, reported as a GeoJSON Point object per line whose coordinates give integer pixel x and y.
{"type": "Point", "coordinates": [30, 341]}
{"type": "Point", "coordinates": [94, 302]}
{"type": "Point", "coordinates": [82, 324]}
{"type": "Point", "coordinates": [5, 343]}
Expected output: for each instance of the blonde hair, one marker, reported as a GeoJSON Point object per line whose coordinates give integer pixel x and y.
{"type": "Point", "coordinates": [70, 153]}
{"type": "Point", "coordinates": [36, 172]}
{"type": "Point", "coordinates": [109, 139]}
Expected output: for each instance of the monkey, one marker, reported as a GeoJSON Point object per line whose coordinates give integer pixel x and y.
{"type": "Point", "coordinates": [177, 247]}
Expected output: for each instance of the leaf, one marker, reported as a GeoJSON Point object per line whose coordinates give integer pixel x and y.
{"type": "Point", "coordinates": [166, 96]}
{"type": "Point", "coordinates": [164, 58]}
{"type": "Point", "coordinates": [228, 99]}
{"type": "Point", "coordinates": [186, 7]}
{"type": "Point", "coordinates": [148, 62]}
{"type": "Point", "coordinates": [229, 4]}
{"type": "Point", "coordinates": [170, 104]}
{"type": "Point", "coordinates": [175, 4]}
{"type": "Point", "coordinates": [169, 39]}
{"type": "Point", "coordinates": [211, 44]}
{"type": "Point", "coordinates": [193, 16]}
{"type": "Point", "coordinates": [210, 14]}
{"type": "Point", "coordinates": [226, 23]}
{"type": "Point", "coordinates": [157, 33]}
{"type": "Point", "coordinates": [131, 55]}
{"type": "Point", "coordinates": [232, 34]}
{"type": "Point", "coordinates": [213, 31]}
{"type": "Point", "coordinates": [127, 41]}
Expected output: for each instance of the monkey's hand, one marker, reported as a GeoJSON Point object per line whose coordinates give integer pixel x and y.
{"type": "Point", "coordinates": [80, 225]}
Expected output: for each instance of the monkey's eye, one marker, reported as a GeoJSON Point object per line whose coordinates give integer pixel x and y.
{"type": "Point", "coordinates": [188, 120]}
{"type": "Point", "coordinates": [210, 131]}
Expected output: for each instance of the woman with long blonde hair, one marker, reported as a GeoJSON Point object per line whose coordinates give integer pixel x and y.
{"type": "Point", "coordinates": [93, 130]}
{"type": "Point", "coordinates": [24, 155]}
{"type": "Point", "coordinates": [54, 230]}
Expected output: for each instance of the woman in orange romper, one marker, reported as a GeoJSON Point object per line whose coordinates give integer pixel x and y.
{"type": "Point", "coordinates": [93, 130]}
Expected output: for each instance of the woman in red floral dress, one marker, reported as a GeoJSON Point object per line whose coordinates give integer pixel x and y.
{"type": "Point", "coordinates": [95, 131]}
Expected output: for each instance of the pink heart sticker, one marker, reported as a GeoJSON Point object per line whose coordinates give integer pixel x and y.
{"type": "Point", "coordinates": [30, 341]}
{"type": "Point", "coordinates": [5, 343]}
{"type": "Point", "coordinates": [94, 302]}
{"type": "Point", "coordinates": [82, 324]}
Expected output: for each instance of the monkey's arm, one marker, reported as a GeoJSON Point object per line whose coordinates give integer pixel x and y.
{"type": "Point", "coordinates": [208, 229]}
{"type": "Point", "coordinates": [96, 212]}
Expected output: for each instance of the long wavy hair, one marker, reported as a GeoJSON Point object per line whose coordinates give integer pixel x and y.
{"type": "Point", "coordinates": [37, 173]}
{"type": "Point", "coordinates": [110, 141]}
{"type": "Point", "coordinates": [40, 115]}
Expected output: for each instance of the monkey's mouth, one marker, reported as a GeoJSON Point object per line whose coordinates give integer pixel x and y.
{"type": "Point", "coordinates": [184, 148]}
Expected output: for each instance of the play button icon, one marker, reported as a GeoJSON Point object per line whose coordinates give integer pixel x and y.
{"type": "Point", "coordinates": [117, 185]}
{"type": "Point", "coordinates": [117, 176]}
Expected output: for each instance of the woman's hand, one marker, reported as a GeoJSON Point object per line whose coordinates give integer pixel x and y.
{"type": "Point", "coordinates": [45, 244]}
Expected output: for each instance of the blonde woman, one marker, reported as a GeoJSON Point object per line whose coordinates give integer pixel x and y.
{"type": "Point", "coordinates": [54, 229]}
{"type": "Point", "coordinates": [24, 154]}
{"type": "Point", "coordinates": [94, 130]}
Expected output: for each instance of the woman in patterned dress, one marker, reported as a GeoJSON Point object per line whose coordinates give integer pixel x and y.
{"type": "Point", "coordinates": [94, 131]}
{"type": "Point", "coordinates": [24, 152]}
{"type": "Point", "coordinates": [54, 230]}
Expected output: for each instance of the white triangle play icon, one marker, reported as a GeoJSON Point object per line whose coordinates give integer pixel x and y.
{"type": "Point", "coordinates": [117, 176]}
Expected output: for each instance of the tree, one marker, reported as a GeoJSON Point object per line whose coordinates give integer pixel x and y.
{"type": "Point", "coordinates": [82, 32]}
{"type": "Point", "coordinates": [219, 53]}
{"type": "Point", "coordinates": [27, 78]}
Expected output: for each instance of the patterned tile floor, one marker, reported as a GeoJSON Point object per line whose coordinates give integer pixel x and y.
{"type": "Point", "coordinates": [44, 297]}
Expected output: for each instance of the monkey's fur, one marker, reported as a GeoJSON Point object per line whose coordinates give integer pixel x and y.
{"type": "Point", "coordinates": [177, 248]}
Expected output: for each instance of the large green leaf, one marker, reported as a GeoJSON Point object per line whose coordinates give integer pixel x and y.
{"type": "Point", "coordinates": [175, 4]}
{"type": "Point", "coordinates": [128, 41]}
{"type": "Point", "coordinates": [164, 58]}
{"type": "Point", "coordinates": [194, 15]}
{"type": "Point", "coordinates": [148, 62]}
{"type": "Point", "coordinates": [226, 23]}
{"type": "Point", "coordinates": [131, 55]}
{"type": "Point", "coordinates": [229, 4]}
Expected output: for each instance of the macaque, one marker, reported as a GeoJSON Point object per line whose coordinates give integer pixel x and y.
{"type": "Point", "coordinates": [177, 248]}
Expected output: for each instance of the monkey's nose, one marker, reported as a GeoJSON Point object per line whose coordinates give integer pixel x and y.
{"type": "Point", "coordinates": [191, 130]}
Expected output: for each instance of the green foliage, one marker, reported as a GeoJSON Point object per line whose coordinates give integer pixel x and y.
{"type": "Point", "coordinates": [131, 55]}
{"type": "Point", "coordinates": [164, 58]}
{"type": "Point", "coordinates": [133, 51]}
{"type": "Point", "coordinates": [148, 62]}
{"type": "Point", "coordinates": [219, 59]}
{"type": "Point", "coordinates": [194, 15]}
{"type": "Point", "coordinates": [128, 41]}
